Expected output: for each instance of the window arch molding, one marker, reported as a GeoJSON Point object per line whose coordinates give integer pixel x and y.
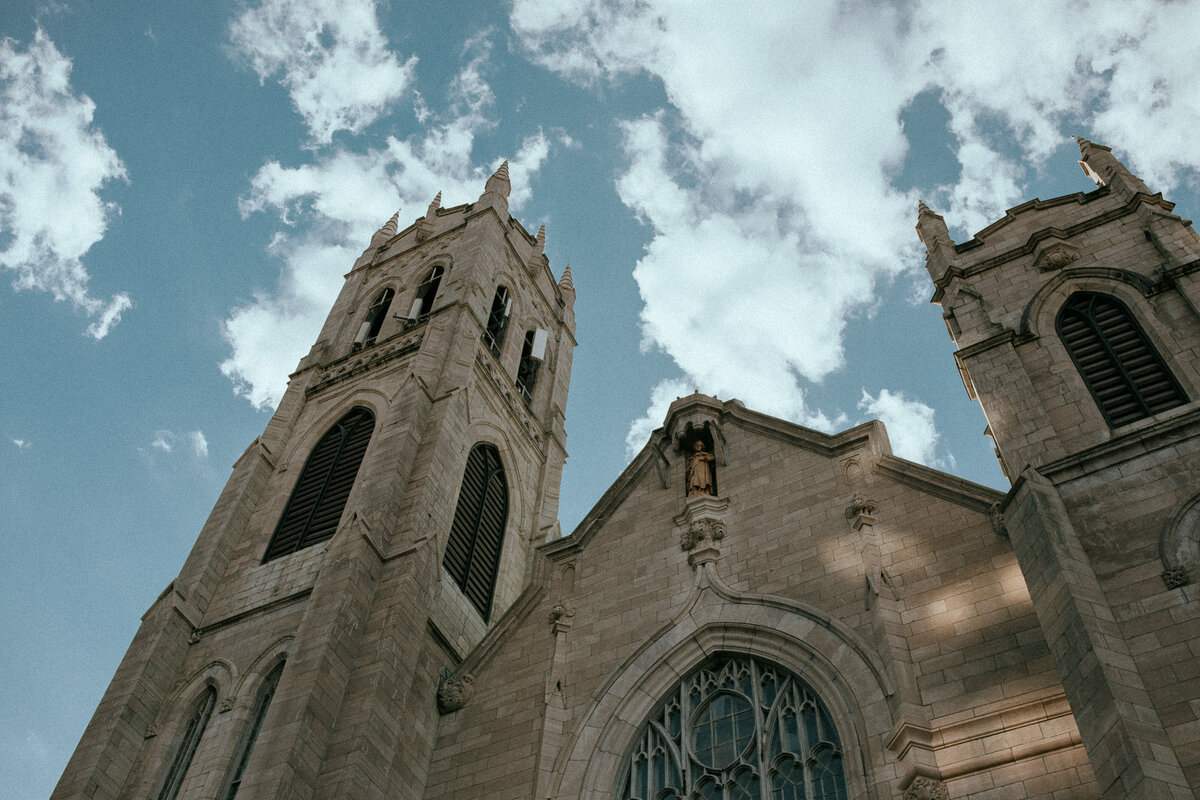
{"type": "Point", "coordinates": [797, 642]}
{"type": "Point", "coordinates": [1179, 542]}
{"type": "Point", "coordinates": [364, 311]}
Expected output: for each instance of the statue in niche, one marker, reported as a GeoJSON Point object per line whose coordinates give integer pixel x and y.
{"type": "Point", "coordinates": [699, 471]}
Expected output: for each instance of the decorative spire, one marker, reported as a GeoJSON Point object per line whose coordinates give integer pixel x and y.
{"type": "Point", "coordinates": [939, 247]}
{"type": "Point", "coordinates": [565, 283]}
{"type": "Point", "coordinates": [434, 206]}
{"type": "Point", "coordinates": [1103, 168]}
{"type": "Point", "coordinates": [541, 239]}
{"type": "Point", "coordinates": [499, 182]}
{"type": "Point", "coordinates": [387, 231]}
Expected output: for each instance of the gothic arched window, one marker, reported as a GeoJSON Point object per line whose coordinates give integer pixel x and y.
{"type": "Point", "coordinates": [473, 553]}
{"type": "Point", "coordinates": [186, 747]}
{"type": "Point", "coordinates": [532, 353]}
{"type": "Point", "coordinates": [737, 728]}
{"type": "Point", "coordinates": [1122, 370]}
{"type": "Point", "coordinates": [373, 322]}
{"type": "Point", "coordinates": [426, 292]}
{"type": "Point", "coordinates": [317, 502]}
{"type": "Point", "coordinates": [261, 703]}
{"type": "Point", "coordinates": [497, 323]}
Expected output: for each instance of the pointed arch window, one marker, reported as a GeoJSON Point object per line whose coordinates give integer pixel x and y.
{"type": "Point", "coordinates": [186, 747]}
{"type": "Point", "coordinates": [373, 322]}
{"type": "Point", "coordinates": [737, 728]}
{"type": "Point", "coordinates": [1122, 370]}
{"type": "Point", "coordinates": [477, 534]}
{"type": "Point", "coordinates": [261, 703]}
{"type": "Point", "coordinates": [426, 292]}
{"type": "Point", "coordinates": [497, 323]}
{"type": "Point", "coordinates": [533, 352]}
{"type": "Point", "coordinates": [321, 491]}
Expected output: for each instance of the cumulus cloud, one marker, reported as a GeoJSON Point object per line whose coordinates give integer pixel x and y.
{"type": "Point", "coordinates": [661, 397]}
{"type": "Point", "coordinates": [331, 206]}
{"type": "Point", "coordinates": [331, 57]}
{"type": "Point", "coordinates": [55, 164]}
{"type": "Point", "coordinates": [22, 444]}
{"type": "Point", "coordinates": [910, 426]}
{"type": "Point", "coordinates": [166, 441]}
{"type": "Point", "coordinates": [768, 184]}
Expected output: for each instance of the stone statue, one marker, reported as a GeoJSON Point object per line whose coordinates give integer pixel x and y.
{"type": "Point", "coordinates": [699, 473]}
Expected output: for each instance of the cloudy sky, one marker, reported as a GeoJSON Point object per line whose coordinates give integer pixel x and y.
{"type": "Point", "coordinates": [183, 185]}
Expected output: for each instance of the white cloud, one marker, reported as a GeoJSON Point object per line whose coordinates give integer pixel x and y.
{"type": "Point", "coordinates": [199, 444]}
{"type": "Point", "coordinates": [163, 440]}
{"type": "Point", "coordinates": [661, 397]}
{"type": "Point", "coordinates": [910, 426]}
{"type": "Point", "coordinates": [55, 164]}
{"type": "Point", "coordinates": [331, 57]}
{"type": "Point", "coordinates": [333, 205]}
{"type": "Point", "coordinates": [22, 444]}
{"type": "Point", "coordinates": [768, 185]}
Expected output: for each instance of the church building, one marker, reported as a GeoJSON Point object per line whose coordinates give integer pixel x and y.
{"type": "Point", "coordinates": [382, 605]}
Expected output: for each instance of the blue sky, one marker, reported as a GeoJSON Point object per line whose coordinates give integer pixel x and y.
{"type": "Point", "coordinates": [183, 185]}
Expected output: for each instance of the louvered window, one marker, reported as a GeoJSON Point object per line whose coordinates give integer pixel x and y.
{"type": "Point", "coordinates": [497, 322]}
{"type": "Point", "coordinates": [186, 748]}
{"type": "Point", "coordinates": [1123, 371]}
{"type": "Point", "coordinates": [316, 504]}
{"type": "Point", "coordinates": [738, 728]}
{"type": "Point", "coordinates": [265, 693]}
{"type": "Point", "coordinates": [427, 291]}
{"type": "Point", "coordinates": [473, 554]}
{"type": "Point", "coordinates": [373, 322]}
{"type": "Point", "coordinates": [527, 369]}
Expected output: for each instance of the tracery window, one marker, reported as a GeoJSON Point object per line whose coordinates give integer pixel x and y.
{"type": "Point", "coordinates": [261, 703]}
{"type": "Point", "coordinates": [321, 491]}
{"type": "Point", "coordinates": [497, 323]}
{"type": "Point", "coordinates": [737, 728]}
{"type": "Point", "coordinates": [477, 534]}
{"type": "Point", "coordinates": [186, 747]}
{"type": "Point", "coordinates": [1121, 368]}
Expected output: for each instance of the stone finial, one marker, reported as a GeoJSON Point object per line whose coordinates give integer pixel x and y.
{"type": "Point", "coordinates": [939, 247]}
{"type": "Point", "coordinates": [454, 693]}
{"type": "Point", "coordinates": [1103, 168]}
{"type": "Point", "coordinates": [387, 231]}
{"type": "Point", "coordinates": [499, 182]}
{"type": "Point", "coordinates": [565, 283]}
{"type": "Point", "coordinates": [540, 246]}
{"type": "Point", "coordinates": [434, 206]}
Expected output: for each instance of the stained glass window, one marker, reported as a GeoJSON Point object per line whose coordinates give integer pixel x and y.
{"type": "Point", "coordinates": [737, 728]}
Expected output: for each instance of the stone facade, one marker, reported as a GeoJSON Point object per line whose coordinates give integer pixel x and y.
{"type": "Point", "coordinates": [964, 643]}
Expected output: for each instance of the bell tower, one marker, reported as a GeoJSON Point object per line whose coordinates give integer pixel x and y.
{"type": "Point", "coordinates": [1077, 322]}
{"type": "Point", "coordinates": [366, 541]}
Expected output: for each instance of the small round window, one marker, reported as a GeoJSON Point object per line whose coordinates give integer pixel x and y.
{"type": "Point", "coordinates": [723, 728]}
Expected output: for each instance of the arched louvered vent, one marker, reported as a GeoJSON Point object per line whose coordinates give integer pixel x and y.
{"type": "Point", "coordinates": [473, 554]}
{"type": "Point", "coordinates": [320, 495]}
{"type": "Point", "coordinates": [1123, 371]}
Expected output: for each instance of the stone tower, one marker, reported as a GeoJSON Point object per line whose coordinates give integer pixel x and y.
{"type": "Point", "coordinates": [1077, 322]}
{"type": "Point", "coordinates": [366, 541]}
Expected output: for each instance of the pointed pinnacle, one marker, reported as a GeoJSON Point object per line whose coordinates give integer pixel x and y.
{"type": "Point", "coordinates": [565, 282]}
{"type": "Point", "coordinates": [435, 205]}
{"type": "Point", "coordinates": [502, 173]}
{"type": "Point", "coordinates": [391, 225]}
{"type": "Point", "coordinates": [541, 238]}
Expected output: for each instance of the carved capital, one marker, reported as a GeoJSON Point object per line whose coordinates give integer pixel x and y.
{"type": "Point", "coordinates": [997, 518]}
{"type": "Point", "coordinates": [1176, 577]}
{"type": "Point", "coordinates": [194, 636]}
{"type": "Point", "coordinates": [454, 693]}
{"type": "Point", "coordinates": [700, 531]}
{"type": "Point", "coordinates": [1055, 254]}
{"type": "Point", "coordinates": [923, 788]}
{"type": "Point", "coordinates": [151, 730]}
{"type": "Point", "coordinates": [226, 705]}
{"type": "Point", "coordinates": [561, 616]}
{"type": "Point", "coordinates": [861, 504]}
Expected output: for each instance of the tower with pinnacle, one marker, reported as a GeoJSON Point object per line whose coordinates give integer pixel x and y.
{"type": "Point", "coordinates": [366, 541]}
{"type": "Point", "coordinates": [1076, 321]}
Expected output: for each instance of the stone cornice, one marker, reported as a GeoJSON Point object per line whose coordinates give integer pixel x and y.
{"type": "Point", "coordinates": [956, 490]}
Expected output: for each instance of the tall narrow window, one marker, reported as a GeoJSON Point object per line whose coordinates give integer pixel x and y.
{"type": "Point", "coordinates": [261, 704]}
{"type": "Point", "coordinates": [426, 292]}
{"type": "Point", "coordinates": [316, 504]}
{"type": "Point", "coordinates": [493, 334]}
{"type": "Point", "coordinates": [741, 729]}
{"type": "Point", "coordinates": [188, 742]}
{"type": "Point", "coordinates": [473, 554]}
{"type": "Point", "coordinates": [1122, 370]}
{"type": "Point", "coordinates": [532, 354]}
{"type": "Point", "coordinates": [373, 322]}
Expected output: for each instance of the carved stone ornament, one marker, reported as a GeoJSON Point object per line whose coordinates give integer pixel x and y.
{"type": "Point", "coordinates": [454, 693]}
{"type": "Point", "coordinates": [998, 522]}
{"type": "Point", "coordinates": [1056, 256]}
{"type": "Point", "coordinates": [194, 636]}
{"type": "Point", "coordinates": [702, 530]}
{"type": "Point", "coordinates": [861, 505]}
{"type": "Point", "coordinates": [1176, 577]}
{"type": "Point", "coordinates": [151, 730]}
{"type": "Point", "coordinates": [923, 788]}
{"type": "Point", "coordinates": [561, 613]}
{"type": "Point", "coordinates": [226, 705]}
